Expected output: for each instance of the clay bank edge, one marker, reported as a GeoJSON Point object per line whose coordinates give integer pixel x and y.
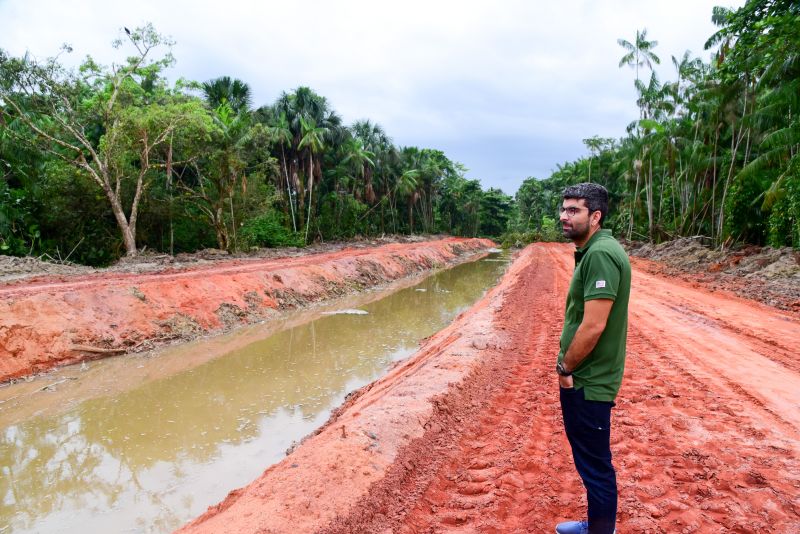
{"type": "Point", "coordinates": [72, 319]}
{"type": "Point", "coordinates": [378, 437]}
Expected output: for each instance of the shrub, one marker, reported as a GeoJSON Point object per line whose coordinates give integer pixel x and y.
{"type": "Point", "coordinates": [268, 230]}
{"type": "Point", "coordinates": [342, 217]}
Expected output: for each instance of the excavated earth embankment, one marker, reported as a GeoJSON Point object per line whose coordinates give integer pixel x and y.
{"type": "Point", "coordinates": [466, 435]}
{"type": "Point", "coordinates": [51, 321]}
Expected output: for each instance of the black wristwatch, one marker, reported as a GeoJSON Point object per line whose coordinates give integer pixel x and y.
{"type": "Point", "coordinates": [561, 370]}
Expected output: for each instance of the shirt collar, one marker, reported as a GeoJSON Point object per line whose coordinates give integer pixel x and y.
{"type": "Point", "coordinates": [581, 251]}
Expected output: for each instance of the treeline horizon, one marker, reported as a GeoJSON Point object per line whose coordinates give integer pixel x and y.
{"type": "Point", "coordinates": [715, 152]}
{"type": "Point", "coordinates": [102, 162]}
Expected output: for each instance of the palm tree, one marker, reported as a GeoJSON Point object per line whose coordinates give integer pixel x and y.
{"type": "Point", "coordinates": [234, 92]}
{"type": "Point", "coordinates": [232, 132]}
{"type": "Point", "coordinates": [375, 142]}
{"type": "Point", "coordinates": [314, 141]}
{"type": "Point", "coordinates": [639, 53]}
{"type": "Point", "coordinates": [361, 162]}
{"type": "Point", "coordinates": [282, 136]}
{"type": "Point", "coordinates": [596, 145]}
{"type": "Point", "coordinates": [385, 158]}
{"type": "Point", "coordinates": [407, 185]}
{"type": "Point", "coordinates": [305, 105]}
{"type": "Point", "coordinates": [689, 71]}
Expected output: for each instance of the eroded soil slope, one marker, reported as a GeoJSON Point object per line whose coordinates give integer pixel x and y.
{"type": "Point", "coordinates": [765, 274]}
{"type": "Point", "coordinates": [466, 435]}
{"type": "Point", "coordinates": [49, 321]}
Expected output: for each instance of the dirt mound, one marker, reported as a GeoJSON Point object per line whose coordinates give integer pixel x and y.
{"type": "Point", "coordinates": [48, 321]}
{"type": "Point", "coordinates": [766, 274]}
{"type": "Point", "coordinates": [15, 268]}
{"type": "Point", "coordinates": [18, 268]}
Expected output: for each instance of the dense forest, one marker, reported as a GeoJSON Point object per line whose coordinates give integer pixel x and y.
{"type": "Point", "coordinates": [100, 162]}
{"type": "Point", "coordinates": [715, 152]}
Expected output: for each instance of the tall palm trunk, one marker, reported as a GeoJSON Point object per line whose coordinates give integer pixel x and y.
{"type": "Point", "coordinates": [300, 188]}
{"type": "Point", "coordinates": [310, 190]}
{"type": "Point", "coordinates": [288, 188]}
{"type": "Point", "coordinates": [714, 180]}
{"type": "Point", "coordinates": [650, 197]}
{"type": "Point", "coordinates": [637, 166]}
{"type": "Point", "coordinates": [734, 149]}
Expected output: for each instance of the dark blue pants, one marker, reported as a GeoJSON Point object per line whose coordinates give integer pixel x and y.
{"type": "Point", "coordinates": [588, 427]}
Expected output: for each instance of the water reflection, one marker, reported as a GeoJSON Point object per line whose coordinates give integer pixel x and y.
{"type": "Point", "coordinates": [149, 459]}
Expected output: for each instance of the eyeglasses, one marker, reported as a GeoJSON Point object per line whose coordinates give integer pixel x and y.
{"type": "Point", "coordinates": [571, 211]}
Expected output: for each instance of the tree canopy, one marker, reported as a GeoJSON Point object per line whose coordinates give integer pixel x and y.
{"type": "Point", "coordinates": [103, 161]}
{"type": "Point", "coordinates": [716, 152]}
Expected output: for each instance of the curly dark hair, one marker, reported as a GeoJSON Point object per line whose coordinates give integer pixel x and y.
{"type": "Point", "coordinates": [595, 196]}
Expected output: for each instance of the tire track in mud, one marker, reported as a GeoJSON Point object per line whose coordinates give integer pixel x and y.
{"type": "Point", "coordinates": [700, 374]}
{"type": "Point", "coordinates": [728, 356]}
{"type": "Point", "coordinates": [773, 338]}
{"type": "Point", "coordinates": [696, 457]}
{"type": "Point", "coordinates": [491, 472]}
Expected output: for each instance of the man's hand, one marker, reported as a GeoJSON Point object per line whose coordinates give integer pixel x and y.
{"type": "Point", "coordinates": [565, 382]}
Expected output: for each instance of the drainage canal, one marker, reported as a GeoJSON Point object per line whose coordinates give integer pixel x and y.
{"type": "Point", "coordinates": [146, 443]}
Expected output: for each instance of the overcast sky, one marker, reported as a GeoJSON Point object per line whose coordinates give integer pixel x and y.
{"type": "Point", "coordinates": [508, 88]}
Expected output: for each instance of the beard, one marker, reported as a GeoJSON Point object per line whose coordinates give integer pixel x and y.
{"type": "Point", "coordinates": [575, 231]}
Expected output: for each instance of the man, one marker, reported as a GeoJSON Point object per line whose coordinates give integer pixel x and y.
{"type": "Point", "coordinates": [592, 350]}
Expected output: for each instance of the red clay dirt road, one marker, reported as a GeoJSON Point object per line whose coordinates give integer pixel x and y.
{"type": "Point", "coordinates": [466, 435]}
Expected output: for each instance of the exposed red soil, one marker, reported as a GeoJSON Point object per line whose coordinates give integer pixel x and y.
{"type": "Point", "coordinates": [54, 320]}
{"type": "Point", "coordinates": [765, 274]}
{"type": "Point", "coordinates": [466, 435]}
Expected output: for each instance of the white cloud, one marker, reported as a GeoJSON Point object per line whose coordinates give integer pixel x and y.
{"type": "Point", "coordinates": [464, 76]}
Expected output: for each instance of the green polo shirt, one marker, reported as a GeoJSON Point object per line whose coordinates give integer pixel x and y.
{"type": "Point", "coordinates": [602, 271]}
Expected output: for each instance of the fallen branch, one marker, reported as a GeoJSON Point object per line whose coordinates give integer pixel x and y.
{"type": "Point", "coordinates": [73, 250]}
{"type": "Point", "coordinates": [57, 382]}
{"type": "Point", "coordinates": [97, 350]}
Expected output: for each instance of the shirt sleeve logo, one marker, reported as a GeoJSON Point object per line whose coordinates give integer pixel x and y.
{"type": "Point", "coordinates": [600, 284]}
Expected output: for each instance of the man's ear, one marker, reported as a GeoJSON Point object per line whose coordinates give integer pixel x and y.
{"type": "Point", "coordinates": [596, 220]}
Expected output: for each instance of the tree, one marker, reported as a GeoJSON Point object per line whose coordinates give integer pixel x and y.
{"type": "Point", "coordinates": [220, 171]}
{"type": "Point", "coordinates": [360, 161]}
{"type": "Point", "coordinates": [596, 144]}
{"type": "Point", "coordinates": [225, 90]}
{"type": "Point", "coordinates": [717, 149]}
{"type": "Point", "coordinates": [314, 141]}
{"type": "Point", "coordinates": [169, 156]}
{"type": "Point", "coordinates": [110, 124]}
{"type": "Point", "coordinates": [495, 210]}
{"type": "Point", "coordinates": [282, 136]}
{"type": "Point", "coordinates": [304, 105]}
{"type": "Point", "coordinates": [639, 53]}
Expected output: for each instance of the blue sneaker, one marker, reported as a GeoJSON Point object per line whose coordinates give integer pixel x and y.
{"type": "Point", "coordinates": [574, 527]}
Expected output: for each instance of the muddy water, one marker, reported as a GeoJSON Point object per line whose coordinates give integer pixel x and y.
{"type": "Point", "coordinates": [132, 446]}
